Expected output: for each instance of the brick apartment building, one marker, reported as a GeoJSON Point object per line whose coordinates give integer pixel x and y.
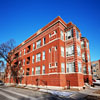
{"type": "Point", "coordinates": [95, 69]}
{"type": "Point", "coordinates": [56, 56]}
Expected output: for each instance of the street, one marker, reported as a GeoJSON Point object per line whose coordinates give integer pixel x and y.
{"type": "Point", "coordinates": [16, 93]}
{"type": "Point", "coordinates": [12, 93]}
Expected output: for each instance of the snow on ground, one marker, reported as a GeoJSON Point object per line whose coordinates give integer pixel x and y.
{"type": "Point", "coordinates": [58, 93]}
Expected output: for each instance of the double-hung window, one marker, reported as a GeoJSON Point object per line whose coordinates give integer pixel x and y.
{"type": "Point", "coordinates": [63, 67]}
{"type": "Point", "coordinates": [79, 67]}
{"type": "Point", "coordinates": [87, 45]}
{"type": "Point", "coordinates": [43, 69]}
{"type": "Point", "coordinates": [38, 43]}
{"type": "Point", "coordinates": [44, 41]}
{"type": "Point", "coordinates": [84, 69]}
{"type": "Point", "coordinates": [37, 70]}
{"type": "Point", "coordinates": [32, 71]}
{"type": "Point", "coordinates": [62, 51]}
{"type": "Point", "coordinates": [62, 35]}
{"type": "Point", "coordinates": [24, 51]}
{"type": "Point", "coordinates": [82, 44]}
{"type": "Point", "coordinates": [33, 59]}
{"type": "Point", "coordinates": [38, 57]}
{"type": "Point", "coordinates": [43, 56]}
{"type": "Point", "coordinates": [69, 34]}
{"type": "Point", "coordinates": [83, 56]}
{"type": "Point", "coordinates": [89, 69]}
{"type": "Point", "coordinates": [70, 67]}
{"type": "Point", "coordinates": [33, 46]}
{"type": "Point", "coordinates": [77, 34]}
{"type": "Point", "coordinates": [70, 50]}
{"type": "Point", "coordinates": [78, 51]}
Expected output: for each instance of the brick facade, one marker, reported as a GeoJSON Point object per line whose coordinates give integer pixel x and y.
{"type": "Point", "coordinates": [63, 64]}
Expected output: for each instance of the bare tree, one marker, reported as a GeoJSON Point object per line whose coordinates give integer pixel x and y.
{"type": "Point", "coordinates": [7, 52]}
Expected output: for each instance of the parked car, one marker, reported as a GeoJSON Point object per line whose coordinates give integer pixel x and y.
{"type": "Point", "coordinates": [1, 82]}
{"type": "Point", "coordinates": [96, 82]}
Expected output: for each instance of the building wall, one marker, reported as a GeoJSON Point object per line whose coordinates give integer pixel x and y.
{"type": "Point", "coordinates": [96, 69]}
{"type": "Point", "coordinates": [55, 75]}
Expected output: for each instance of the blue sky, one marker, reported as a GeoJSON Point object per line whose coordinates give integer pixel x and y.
{"type": "Point", "coordinates": [19, 19]}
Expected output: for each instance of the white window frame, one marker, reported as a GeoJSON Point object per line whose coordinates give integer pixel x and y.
{"type": "Point", "coordinates": [62, 51]}
{"type": "Point", "coordinates": [50, 65]}
{"type": "Point", "coordinates": [20, 53]}
{"type": "Point", "coordinates": [38, 44]}
{"type": "Point", "coordinates": [38, 57]}
{"type": "Point", "coordinates": [83, 56]}
{"type": "Point", "coordinates": [33, 59]}
{"type": "Point", "coordinates": [70, 67]}
{"type": "Point", "coordinates": [79, 67]}
{"type": "Point", "coordinates": [44, 41]}
{"type": "Point", "coordinates": [33, 46]}
{"type": "Point", "coordinates": [63, 67]}
{"type": "Point", "coordinates": [89, 70]}
{"type": "Point", "coordinates": [69, 34]}
{"type": "Point", "coordinates": [70, 51]}
{"type": "Point", "coordinates": [37, 72]}
{"type": "Point", "coordinates": [43, 69]}
{"type": "Point", "coordinates": [43, 55]}
{"type": "Point", "coordinates": [84, 70]}
{"type": "Point", "coordinates": [88, 56]}
{"type": "Point", "coordinates": [32, 70]}
{"type": "Point", "coordinates": [49, 50]}
{"type": "Point", "coordinates": [78, 50]}
{"type": "Point", "coordinates": [61, 35]}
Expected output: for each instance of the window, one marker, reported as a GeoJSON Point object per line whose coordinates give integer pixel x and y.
{"type": "Point", "coordinates": [49, 35]}
{"type": "Point", "coordinates": [55, 32]}
{"type": "Point", "coordinates": [89, 69]}
{"type": "Point", "coordinates": [69, 34]}
{"type": "Point", "coordinates": [33, 59]}
{"type": "Point", "coordinates": [49, 50]}
{"type": "Point", "coordinates": [38, 70]}
{"type": "Point", "coordinates": [88, 57]}
{"type": "Point", "coordinates": [55, 48]}
{"type": "Point", "coordinates": [49, 65]}
{"type": "Point", "coordinates": [56, 64]}
{"type": "Point", "coordinates": [79, 67]}
{"type": "Point", "coordinates": [62, 35]}
{"type": "Point", "coordinates": [43, 69]}
{"type": "Point", "coordinates": [24, 51]}
{"type": "Point", "coordinates": [71, 67]}
{"type": "Point", "coordinates": [38, 43]}
{"type": "Point", "coordinates": [23, 62]}
{"type": "Point", "coordinates": [43, 56]}
{"type": "Point", "coordinates": [33, 46]}
{"type": "Point", "coordinates": [77, 34]}
{"type": "Point", "coordinates": [83, 56]}
{"type": "Point", "coordinates": [32, 71]}
{"type": "Point", "coordinates": [82, 44]}
{"type": "Point", "coordinates": [70, 50]}
{"type": "Point", "coordinates": [44, 40]}
{"type": "Point", "coordinates": [20, 53]}
{"type": "Point", "coordinates": [38, 57]}
{"type": "Point", "coordinates": [78, 51]}
{"type": "Point", "coordinates": [27, 71]}
{"type": "Point", "coordinates": [62, 51]}
{"type": "Point", "coordinates": [87, 45]}
{"type": "Point", "coordinates": [84, 69]}
{"type": "Point", "coordinates": [62, 67]}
